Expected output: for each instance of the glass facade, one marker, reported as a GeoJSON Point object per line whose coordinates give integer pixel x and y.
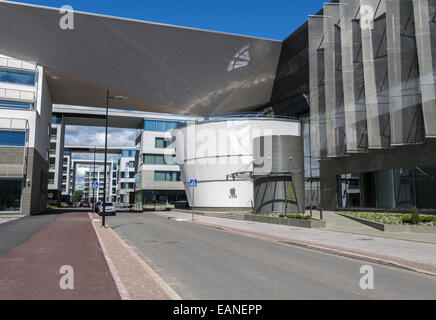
{"type": "Point", "coordinates": [6, 104]}
{"type": "Point", "coordinates": [158, 159]}
{"type": "Point", "coordinates": [56, 119]}
{"type": "Point", "coordinates": [389, 189]}
{"type": "Point", "coordinates": [12, 138]}
{"type": "Point", "coordinates": [10, 195]}
{"type": "Point", "coordinates": [161, 143]}
{"type": "Point", "coordinates": [167, 176]}
{"type": "Point", "coordinates": [161, 125]}
{"type": "Point", "coordinates": [17, 76]}
{"type": "Point", "coordinates": [128, 153]}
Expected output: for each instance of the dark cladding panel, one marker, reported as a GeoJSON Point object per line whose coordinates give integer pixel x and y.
{"type": "Point", "coordinates": [317, 89]}
{"type": "Point", "coordinates": [375, 66]}
{"type": "Point", "coordinates": [425, 25]}
{"type": "Point", "coordinates": [404, 86]}
{"type": "Point", "coordinates": [352, 72]}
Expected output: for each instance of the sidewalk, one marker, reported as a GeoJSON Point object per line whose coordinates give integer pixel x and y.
{"type": "Point", "coordinates": [416, 256]}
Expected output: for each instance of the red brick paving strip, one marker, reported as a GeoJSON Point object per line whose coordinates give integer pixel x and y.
{"type": "Point", "coordinates": [31, 270]}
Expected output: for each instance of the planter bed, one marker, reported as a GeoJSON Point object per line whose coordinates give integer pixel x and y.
{"type": "Point", "coordinates": [302, 223]}
{"type": "Point", "coordinates": [392, 227]}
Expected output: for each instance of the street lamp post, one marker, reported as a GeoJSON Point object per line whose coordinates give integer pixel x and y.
{"type": "Point", "coordinates": [93, 186]}
{"type": "Point", "coordinates": [103, 220]}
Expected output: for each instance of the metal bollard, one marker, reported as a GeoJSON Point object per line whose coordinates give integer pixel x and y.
{"type": "Point", "coordinates": [320, 214]}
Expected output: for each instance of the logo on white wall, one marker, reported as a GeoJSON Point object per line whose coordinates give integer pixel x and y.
{"type": "Point", "coordinates": [233, 194]}
{"type": "Point", "coordinates": [240, 59]}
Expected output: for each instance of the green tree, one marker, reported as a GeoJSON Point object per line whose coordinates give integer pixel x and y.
{"type": "Point", "coordinates": [78, 194]}
{"type": "Point", "coordinates": [415, 215]}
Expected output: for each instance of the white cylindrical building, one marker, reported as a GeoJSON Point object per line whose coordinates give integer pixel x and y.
{"type": "Point", "coordinates": [219, 154]}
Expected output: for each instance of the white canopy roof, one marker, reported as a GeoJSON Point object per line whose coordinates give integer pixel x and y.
{"type": "Point", "coordinates": [160, 68]}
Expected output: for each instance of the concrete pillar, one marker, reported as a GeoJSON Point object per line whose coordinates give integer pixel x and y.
{"type": "Point", "coordinates": [335, 119]}
{"type": "Point", "coordinates": [317, 90]}
{"type": "Point", "coordinates": [375, 67]}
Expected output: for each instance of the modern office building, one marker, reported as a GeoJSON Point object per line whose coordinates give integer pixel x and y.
{"type": "Point", "coordinates": [373, 103]}
{"type": "Point", "coordinates": [359, 76]}
{"type": "Point", "coordinates": [158, 178]}
{"type": "Point", "coordinates": [25, 127]}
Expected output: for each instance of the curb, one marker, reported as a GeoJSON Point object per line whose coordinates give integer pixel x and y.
{"type": "Point", "coordinates": [119, 284]}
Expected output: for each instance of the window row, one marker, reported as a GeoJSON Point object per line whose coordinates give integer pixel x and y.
{"type": "Point", "coordinates": [6, 104]}
{"type": "Point", "coordinates": [161, 143]}
{"type": "Point", "coordinates": [12, 138]}
{"type": "Point", "coordinates": [17, 76]}
{"type": "Point", "coordinates": [159, 159]}
{"type": "Point", "coordinates": [167, 176]}
{"type": "Point", "coordinates": [160, 125]}
{"type": "Point", "coordinates": [125, 185]}
{"type": "Point", "coordinates": [128, 153]}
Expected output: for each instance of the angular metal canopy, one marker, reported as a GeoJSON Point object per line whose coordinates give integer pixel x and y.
{"type": "Point", "coordinates": [160, 68]}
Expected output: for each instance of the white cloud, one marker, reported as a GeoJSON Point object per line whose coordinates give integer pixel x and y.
{"type": "Point", "coordinates": [94, 136]}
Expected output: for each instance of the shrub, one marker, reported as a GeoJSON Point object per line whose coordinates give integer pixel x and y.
{"type": "Point", "coordinates": [415, 215]}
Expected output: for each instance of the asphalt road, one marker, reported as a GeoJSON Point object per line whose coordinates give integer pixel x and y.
{"type": "Point", "coordinates": [15, 232]}
{"type": "Point", "coordinates": [206, 263]}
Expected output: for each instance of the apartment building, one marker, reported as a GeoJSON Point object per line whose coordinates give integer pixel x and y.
{"type": "Point", "coordinates": [126, 178]}
{"type": "Point", "coordinates": [67, 177]}
{"type": "Point", "coordinates": [56, 157]}
{"type": "Point", "coordinates": [158, 176]}
{"type": "Point", "coordinates": [25, 127]}
{"type": "Point", "coordinates": [94, 183]}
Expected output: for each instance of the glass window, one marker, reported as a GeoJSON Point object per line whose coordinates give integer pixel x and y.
{"type": "Point", "coordinates": [160, 143]}
{"type": "Point", "coordinates": [56, 119]}
{"type": "Point", "coordinates": [148, 159]}
{"type": "Point", "coordinates": [159, 176]}
{"type": "Point", "coordinates": [172, 176]}
{"type": "Point", "coordinates": [161, 126]}
{"type": "Point", "coordinates": [17, 76]}
{"type": "Point", "coordinates": [10, 194]}
{"type": "Point", "coordinates": [12, 138]}
{"type": "Point", "coordinates": [159, 159]}
{"type": "Point", "coordinates": [131, 164]}
{"type": "Point", "coordinates": [128, 153]}
{"type": "Point", "coordinates": [149, 125]}
{"type": "Point", "coordinates": [131, 174]}
{"type": "Point", "coordinates": [15, 105]}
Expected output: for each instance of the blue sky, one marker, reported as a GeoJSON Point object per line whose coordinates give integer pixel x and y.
{"type": "Point", "coordinates": [273, 19]}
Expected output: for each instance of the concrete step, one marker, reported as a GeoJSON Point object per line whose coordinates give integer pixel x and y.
{"type": "Point", "coordinates": [226, 215]}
